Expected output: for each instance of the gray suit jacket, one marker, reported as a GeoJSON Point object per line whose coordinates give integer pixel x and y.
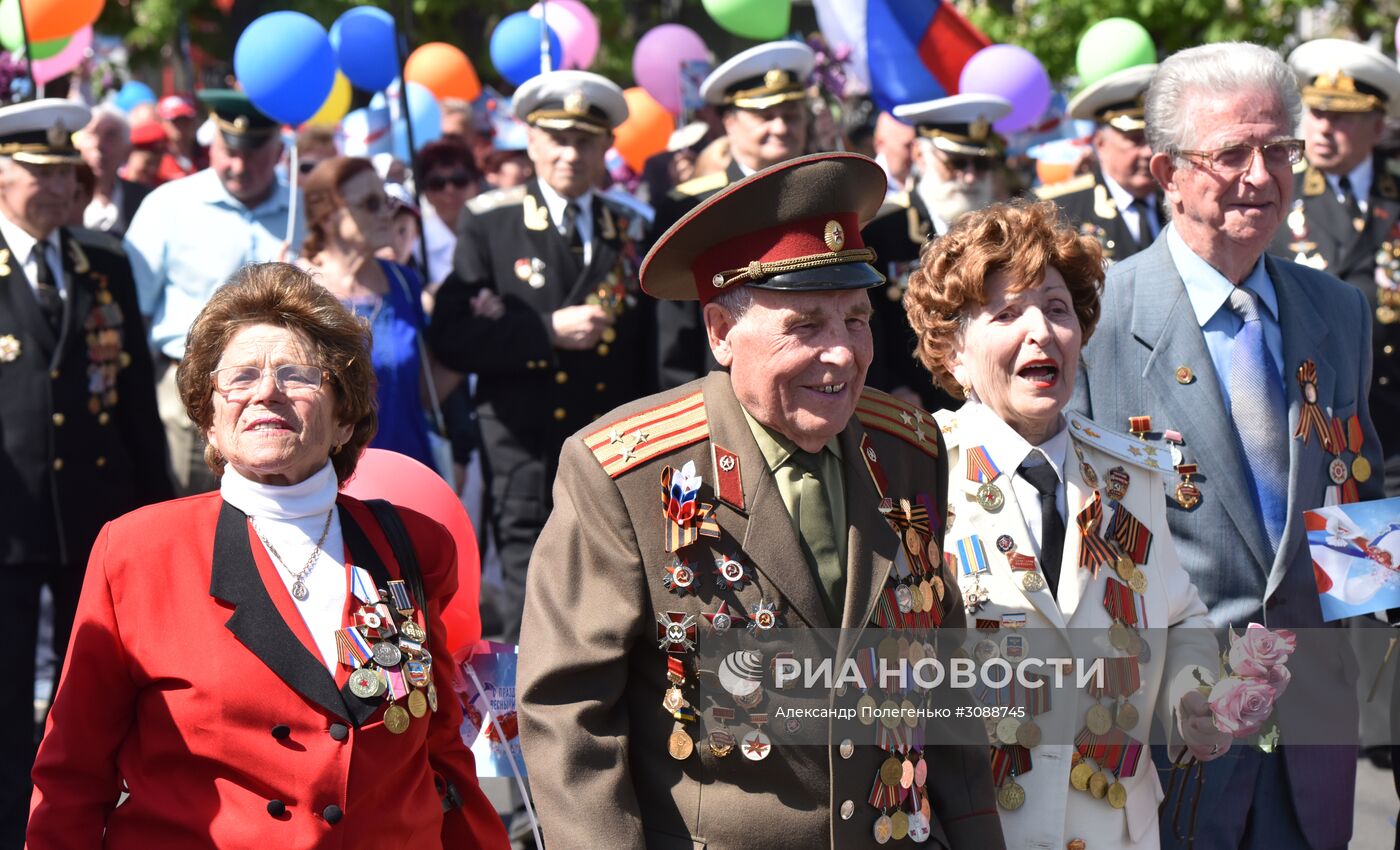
{"type": "Point", "coordinates": [1130, 368]}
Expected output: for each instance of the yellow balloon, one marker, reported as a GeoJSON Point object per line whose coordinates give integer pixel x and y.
{"type": "Point", "coordinates": [336, 105]}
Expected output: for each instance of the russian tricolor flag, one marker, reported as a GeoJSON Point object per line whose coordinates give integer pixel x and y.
{"type": "Point", "coordinates": [905, 51]}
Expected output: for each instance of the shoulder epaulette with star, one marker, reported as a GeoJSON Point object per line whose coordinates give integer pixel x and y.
{"type": "Point", "coordinates": [1125, 447]}
{"type": "Point", "coordinates": [883, 412]}
{"type": "Point", "coordinates": [1065, 187]}
{"type": "Point", "coordinates": [625, 444]}
{"type": "Point", "coordinates": [700, 185]}
{"type": "Point", "coordinates": [495, 199]}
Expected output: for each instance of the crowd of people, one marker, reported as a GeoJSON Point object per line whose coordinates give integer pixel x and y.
{"type": "Point", "coordinates": [187, 319]}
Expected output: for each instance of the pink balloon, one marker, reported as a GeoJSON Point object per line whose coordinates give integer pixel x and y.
{"type": "Point", "coordinates": [656, 63]}
{"type": "Point", "coordinates": [577, 29]}
{"type": "Point", "coordinates": [50, 69]}
{"type": "Point", "coordinates": [383, 474]}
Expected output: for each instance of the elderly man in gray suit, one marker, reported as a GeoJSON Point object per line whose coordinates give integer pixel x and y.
{"type": "Point", "coordinates": [1235, 351]}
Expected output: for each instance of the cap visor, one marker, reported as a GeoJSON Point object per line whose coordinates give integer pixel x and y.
{"type": "Point", "coordinates": [824, 279]}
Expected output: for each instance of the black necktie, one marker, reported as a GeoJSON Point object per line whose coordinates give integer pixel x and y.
{"type": "Point", "coordinates": [1358, 220]}
{"type": "Point", "coordinates": [1144, 214]}
{"type": "Point", "coordinates": [1052, 526]}
{"type": "Point", "coordinates": [50, 301]}
{"type": "Point", "coordinates": [571, 234]}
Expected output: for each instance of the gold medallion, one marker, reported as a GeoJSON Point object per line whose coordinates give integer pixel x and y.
{"type": "Point", "coordinates": [1098, 720]}
{"type": "Point", "coordinates": [1011, 796]}
{"type": "Point", "coordinates": [679, 745]}
{"type": "Point", "coordinates": [721, 743]}
{"type": "Point", "coordinates": [1124, 566]}
{"type": "Point", "coordinates": [1028, 734]}
{"type": "Point", "coordinates": [891, 771]}
{"type": "Point", "coordinates": [1361, 469]}
{"type": "Point", "coordinates": [865, 709]}
{"type": "Point", "coordinates": [1033, 582]}
{"type": "Point", "coordinates": [396, 720]}
{"type": "Point", "coordinates": [1119, 636]}
{"type": "Point", "coordinates": [989, 496]}
{"type": "Point", "coordinates": [1079, 776]}
{"type": "Point", "coordinates": [1138, 582]}
{"type": "Point", "coordinates": [1117, 795]}
{"type": "Point", "coordinates": [1127, 717]}
{"type": "Point", "coordinates": [899, 826]}
{"type": "Point", "coordinates": [1098, 785]}
{"type": "Point", "coordinates": [417, 704]}
{"type": "Point", "coordinates": [1006, 730]}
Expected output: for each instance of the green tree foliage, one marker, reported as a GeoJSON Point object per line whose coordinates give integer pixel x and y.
{"type": "Point", "coordinates": [1051, 28]}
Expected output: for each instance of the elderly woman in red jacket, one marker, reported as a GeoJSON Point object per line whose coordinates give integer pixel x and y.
{"type": "Point", "coordinates": [262, 666]}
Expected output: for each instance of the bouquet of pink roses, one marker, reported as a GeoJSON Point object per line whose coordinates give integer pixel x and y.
{"type": "Point", "coordinates": [1255, 676]}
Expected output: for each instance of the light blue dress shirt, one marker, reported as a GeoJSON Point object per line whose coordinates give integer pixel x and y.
{"type": "Point", "coordinates": [188, 237]}
{"type": "Point", "coordinates": [1209, 292]}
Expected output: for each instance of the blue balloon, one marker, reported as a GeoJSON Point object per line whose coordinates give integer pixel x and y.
{"type": "Point", "coordinates": [133, 94]}
{"type": "Point", "coordinates": [423, 108]}
{"type": "Point", "coordinates": [364, 42]}
{"type": "Point", "coordinates": [515, 48]}
{"type": "Point", "coordinates": [285, 65]}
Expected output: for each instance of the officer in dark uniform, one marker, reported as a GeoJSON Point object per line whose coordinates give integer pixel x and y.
{"type": "Point", "coordinates": [762, 95]}
{"type": "Point", "coordinates": [1346, 203]}
{"type": "Point", "coordinates": [575, 337]}
{"type": "Point", "coordinates": [960, 166]}
{"type": "Point", "coordinates": [1119, 203]}
{"type": "Point", "coordinates": [82, 441]}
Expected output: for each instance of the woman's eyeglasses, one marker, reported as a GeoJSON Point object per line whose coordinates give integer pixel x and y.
{"type": "Point", "coordinates": [438, 182]}
{"type": "Point", "coordinates": [291, 378]}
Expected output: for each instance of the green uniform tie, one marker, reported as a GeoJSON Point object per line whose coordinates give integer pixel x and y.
{"type": "Point", "coordinates": [818, 537]}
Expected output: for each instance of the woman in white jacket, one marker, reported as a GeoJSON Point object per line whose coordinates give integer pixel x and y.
{"type": "Point", "coordinates": [1059, 532]}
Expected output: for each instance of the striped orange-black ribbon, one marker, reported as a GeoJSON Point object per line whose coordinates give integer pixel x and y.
{"type": "Point", "coordinates": [1311, 420]}
{"type": "Point", "coordinates": [1129, 532]}
{"type": "Point", "coordinates": [1094, 551]}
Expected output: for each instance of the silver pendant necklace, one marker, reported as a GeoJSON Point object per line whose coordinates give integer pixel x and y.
{"type": "Point", "coordinates": [299, 585]}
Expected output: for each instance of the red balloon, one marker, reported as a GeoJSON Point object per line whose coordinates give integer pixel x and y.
{"type": "Point", "coordinates": [383, 474]}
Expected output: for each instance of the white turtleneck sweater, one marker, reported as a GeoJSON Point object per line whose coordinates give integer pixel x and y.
{"type": "Point", "coordinates": [291, 519]}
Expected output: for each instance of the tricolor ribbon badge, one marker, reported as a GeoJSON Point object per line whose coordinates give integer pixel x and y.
{"type": "Point", "coordinates": [686, 517]}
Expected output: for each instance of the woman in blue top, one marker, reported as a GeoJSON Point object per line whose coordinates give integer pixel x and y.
{"type": "Point", "coordinates": [348, 218]}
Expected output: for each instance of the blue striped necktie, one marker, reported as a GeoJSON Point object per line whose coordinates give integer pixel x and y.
{"type": "Point", "coordinates": [1260, 414]}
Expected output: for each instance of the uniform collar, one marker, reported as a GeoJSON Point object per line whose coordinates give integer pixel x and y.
{"type": "Point", "coordinates": [1207, 288]}
{"type": "Point", "coordinates": [21, 244]}
{"type": "Point", "coordinates": [1361, 177]}
{"type": "Point", "coordinates": [776, 448]}
{"type": "Point", "coordinates": [1008, 449]}
{"type": "Point", "coordinates": [556, 203]}
{"type": "Point", "coordinates": [1122, 198]}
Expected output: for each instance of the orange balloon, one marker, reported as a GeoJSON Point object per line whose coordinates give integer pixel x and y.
{"type": "Point", "coordinates": [46, 20]}
{"type": "Point", "coordinates": [645, 132]}
{"type": "Point", "coordinates": [443, 70]}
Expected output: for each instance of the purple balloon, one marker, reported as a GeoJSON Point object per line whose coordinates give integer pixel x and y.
{"type": "Point", "coordinates": [656, 63]}
{"type": "Point", "coordinates": [1015, 74]}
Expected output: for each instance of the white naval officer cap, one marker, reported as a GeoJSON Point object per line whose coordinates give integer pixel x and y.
{"type": "Point", "coordinates": [1115, 100]}
{"type": "Point", "coordinates": [1338, 75]}
{"type": "Point", "coordinates": [961, 124]}
{"type": "Point", "coordinates": [566, 100]}
{"type": "Point", "coordinates": [40, 132]}
{"type": "Point", "coordinates": [761, 76]}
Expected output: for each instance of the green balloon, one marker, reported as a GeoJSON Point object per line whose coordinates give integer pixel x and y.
{"type": "Point", "coordinates": [49, 49]}
{"type": "Point", "coordinates": [760, 20]}
{"type": "Point", "coordinates": [1112, 45]}
{"type": "Point", "coordinates": [11, 30]}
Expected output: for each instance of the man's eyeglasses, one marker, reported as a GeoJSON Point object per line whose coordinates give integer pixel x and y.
{"type": "Point", "coordinates": [291, 379]}
{"type": "Point", "coordinates": [1233, 160]}
{"type": "Point", "coordinates": [438, 182]}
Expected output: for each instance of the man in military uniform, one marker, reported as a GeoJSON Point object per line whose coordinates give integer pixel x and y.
{"type": "Point", "coordinates": [575, 336]}
{"type": "Point", "coordinates": [1345, 218]}
{"type": "Point", "coordinates": [794, 500]}
{"type": "Point", "coordinates": [191, 234]}
{"type": "Point", "coordinates": [960, 166]}
{"type": "Point", "coordinates": [762, 97]}
{"type": "Point", "coordinates": [82, 442]}
{"type": "Point", "coordinates": [1119, 202]}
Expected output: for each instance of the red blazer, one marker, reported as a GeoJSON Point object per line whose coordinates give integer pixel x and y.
{"type": "Point", "coordinates": [193, 683]}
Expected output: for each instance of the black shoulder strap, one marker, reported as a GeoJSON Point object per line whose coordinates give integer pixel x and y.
{"type": "Point", "coordinates": [399, 541]}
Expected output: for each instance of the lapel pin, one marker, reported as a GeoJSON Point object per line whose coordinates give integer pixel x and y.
{"type": "Point", "coordinates": [1184, 375]}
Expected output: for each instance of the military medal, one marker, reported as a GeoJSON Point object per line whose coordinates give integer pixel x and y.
{"type": "Point", "coordinates": [417, 704]}
{"type": "Point", "coordinates": [1356, 438]}
{"type": "Point", "coordinates": [756, 745]}
{"type": "Point", "coordinates": [721, 743]}
{"type": "Point", "coordinates": [1028, 734]}
{"type": "Point", "coordinates": [763, 617]}
{"type": "Point", "coordinates": [1099, 721]}
{"type": "Point", "coordinates": [679, 578]}
{"type": "Point", "coordinates": [981, 468]}
{"type": "Point", "coordinates": [904, 598]}
{"type": "Point", "coordinates": [413, 631]}
{"type": "Point", "coordinates": [1310, 418]}
{"type": "Point", "coordinates": [899, 826]}
{"type": "Point", "coordinates": [1011, 796]}
{"type": "Point", "coordinates": [1005, 544]}
{"type": "Point", "coordinates": [1138, 426]}
{"type": "Point", "coordinates": [1117, 795]}
{"type": "Point", "coordinates": [918, 827]}
{"type": "Point", "coordinates": [366, 683]}
{"type": "Point", "coordinates": [432, 697]}
{"type": "Point", "coordinates": [1079, 775]}
{"type": "Point", "coordinates": [1006, 730]}
{"type": "Point", "coordinates": [396, 720]}
{"type": "Point", "coordinates": [1187, 494]}
{"type": "Point", "coordinates": [1127, 717]}
{"type": "Point", "coordinates": [722, 618]}
{"type": "Point", "coordinates": [883, 829]}
{"type": "Point", "coordinates": [1086, 470]}
{"type": "Point", "coordinates": [1116, 486]}
{"type": "Point", "coordinates": [386, 654]}
{"type": "Point", "coordinates": [890, 772]}
{"type": "Point", "coordinates": [1098, 784]}
{"type": "Point", "coordinates": [676, 631]}
{"type": "Point", "coordinates": [679, 745]}
{"type": "Point", "coordinates": [732, 574]}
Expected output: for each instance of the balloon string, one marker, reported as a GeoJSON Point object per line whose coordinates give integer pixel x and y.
{"type": "Point", "coordinates": [293, 172]}
{"type": "Point", "coordinates": [544, 37]}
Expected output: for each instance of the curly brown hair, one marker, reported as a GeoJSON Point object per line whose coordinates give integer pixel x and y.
{"type": "Point", "coordinates": [1021, 238]}
{"type": "Point", "coordinates": [284, 296]}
